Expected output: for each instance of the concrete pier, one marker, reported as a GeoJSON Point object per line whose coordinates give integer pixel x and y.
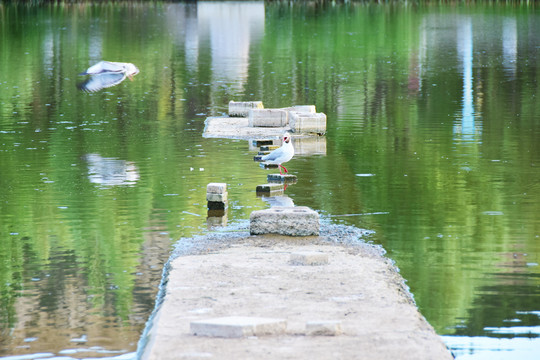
{"type": "Point", "coordinates": [356, 306]}
{"type": "Point", "coordinates": [249, 119]}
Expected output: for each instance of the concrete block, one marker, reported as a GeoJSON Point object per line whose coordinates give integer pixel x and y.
{"type": "Point", "coordinates": [267, 118]}
{"type": "Point", "coordinates": [291, 221]}
{"type": "Point", "coordinates": [268, 188]}
{"type": "Point", "coordinates": [269, 147]}
{"type": "Point", "coordinates": [309, 258]}
{"type": "Point", "coordinates": [216, 205]}
{"type": "Point", "coordinates": [302, 108]}
{"type": "Point", "coordinates": [217, 197]}
{"type": "Point", "coordinates": [216, 188]}
{"type": "Point", "coordinates": [258, 158]}
{"type": "Point", "coordinates": [238, 326]}
{"type": "Point", "coordinates": [323, 328]}
{"type": "Point", "coordinates": [266, 165]}
{"type": "Point", "coordinates": [242, 108]}
{"type": "Point", "coordinates": [278, 178]}
{"type": "Point", "coordinates": [307, 123]}
{"type": "Point", "coordinates": [260, 142]}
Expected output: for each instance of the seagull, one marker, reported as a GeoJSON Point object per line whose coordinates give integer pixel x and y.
{"type": "Point", "coordinates": [108, 67]}
{"type": "Point", "coordinates": [101, 81]}
{"type": "Point", "coordinates": [282, 154]}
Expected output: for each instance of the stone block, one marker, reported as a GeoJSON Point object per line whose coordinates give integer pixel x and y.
{"type": "Point", "coordinates": [258, 158]}
{"type": "Point", "coordinates": [291, 221]}
{"type": "Point", "coordinates": [269, 147]}
{"type": "Point", "coordinates": [323, 328]}
{"type": "Point", "coordinates": [307, 123]}
{"type": "Point", "coordinates": [242, 108]}
{"type": "Point", "coordinates": [267, 118]}
{"type": "Point", "coordinates": [302, 108]}
{"type": "Point", "coordinates": [266, 165]}
{"type": "Point", "coordinates": [268, 188]}
{"type": "Point", "coordinates": [238, 326]}
{"type": "Point", "coordinates": [217, 197]}
{"type": "Point", "coordinates": [216, 188]}
{"type": "Point", "coordinates": [309, 258]}
{"type": "Point", "coordinates": [260, 142]}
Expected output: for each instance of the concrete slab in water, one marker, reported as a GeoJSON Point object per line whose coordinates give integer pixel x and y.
{"type": "Point", "coordinates": [360, 297]}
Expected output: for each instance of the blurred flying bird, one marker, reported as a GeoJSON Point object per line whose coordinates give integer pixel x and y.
{"type": "Point", "coordinates": [107, 67]}
{"type": "Point", "coordinates": [282, 154]}
{"type": "Point", "coordinates": [101, 81]}
{"type": "Point", "coordinates": [106, 74]}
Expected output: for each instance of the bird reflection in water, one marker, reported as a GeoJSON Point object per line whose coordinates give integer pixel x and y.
{"type": "Point", "coordinates": [106, 74]}
{"type": "Point", "coordinates": [110, 171]}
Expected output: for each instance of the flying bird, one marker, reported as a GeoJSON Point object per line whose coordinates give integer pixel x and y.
{"type": "Point", "coordinates": [101, 81]}
{"type": "Point", "coordinates": [282, 154]}
{"type": "Point", "coordinates": [109, 67]}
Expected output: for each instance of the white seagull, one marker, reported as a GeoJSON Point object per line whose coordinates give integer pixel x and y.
{"type": "Point", "coordinates": [109, 67]}
{"type": "Point", "coordinates": [282, 154]}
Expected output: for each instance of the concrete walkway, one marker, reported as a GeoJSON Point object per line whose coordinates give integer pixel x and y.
{"type": "Point", "coordinates": [348, 303]}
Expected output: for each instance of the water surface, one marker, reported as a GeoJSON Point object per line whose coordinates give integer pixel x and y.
{"type": "Point", "coordinates": [432, 142]}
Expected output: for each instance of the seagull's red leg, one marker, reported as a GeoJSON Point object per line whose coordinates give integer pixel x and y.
{"type": "Point", "coordinates": [279, 167]}
{"type": "Point", "coordinates": [284, 168]}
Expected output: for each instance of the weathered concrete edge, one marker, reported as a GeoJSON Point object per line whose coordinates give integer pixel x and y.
{"type": "Point", "coordinates": [197, 244]}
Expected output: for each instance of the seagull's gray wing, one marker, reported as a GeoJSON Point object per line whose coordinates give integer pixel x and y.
{"type": "Point", "coordinates": [275, 154]}
{"type": "Point", "coordinates": [101, 81]}
{"type": "Point", "coordinates": [104, 67]}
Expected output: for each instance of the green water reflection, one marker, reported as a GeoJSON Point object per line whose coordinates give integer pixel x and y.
{"type": "Point", "coordinates": [433, 129]}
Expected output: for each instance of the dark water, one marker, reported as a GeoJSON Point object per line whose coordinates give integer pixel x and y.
{"type": "Point", "coordinates": [433, 143]}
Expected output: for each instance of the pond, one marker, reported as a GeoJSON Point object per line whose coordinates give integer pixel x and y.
{"type": "Point", "coordinates": [432, 143]}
